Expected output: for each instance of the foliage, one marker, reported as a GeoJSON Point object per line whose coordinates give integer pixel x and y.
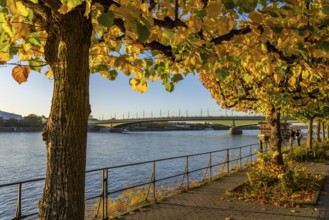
{"type": "Point", "coordinates": [271, 183]}
{"type": "Point", "coordinates": [28, 121]}
{"type": "Point", "coordinates": [318, 153]}
{"type": "Point", "coordinates": [276, 64]}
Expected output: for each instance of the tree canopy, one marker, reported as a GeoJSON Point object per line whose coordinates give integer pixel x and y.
{"type": "Point", "coordinates": [250, 54]}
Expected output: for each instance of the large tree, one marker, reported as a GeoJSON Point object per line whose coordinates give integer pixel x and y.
{"type": "Point", "coordinates": [277, 66]}
{"type": "Point", "coordinates": [155, 39]}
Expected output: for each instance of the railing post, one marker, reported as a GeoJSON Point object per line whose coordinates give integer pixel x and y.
{"type": "Point", "coordinates": [260, 146]}
{"type": "Point", "coordinates": [153, 181]}
{"type": "Point", "coordinates": [186, 173]}
{"type": "Point", "coordinates": [228, 160]}
{"type": "Point", "coordinates": [240, 156]}
{"type": "Point", "coordinates": [19, 202]}
{"type": "Point", "coordinates": [250, 153]}
{"type": "Point", "coordinates": [104, 193]}
{"type": "Point", "coordinates": [210, 166]}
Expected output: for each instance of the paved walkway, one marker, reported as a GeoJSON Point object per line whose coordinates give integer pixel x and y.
{"type": "Point", "coordinates": [210, 202]}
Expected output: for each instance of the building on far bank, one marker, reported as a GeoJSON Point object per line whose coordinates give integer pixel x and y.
{"type": "Point", "coordinates": [7, 116]}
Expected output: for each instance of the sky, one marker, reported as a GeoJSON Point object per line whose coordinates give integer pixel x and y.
{"type": "Point", "coordinates": [110, 99]}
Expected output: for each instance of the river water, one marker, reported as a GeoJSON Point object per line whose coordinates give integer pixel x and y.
{"type": "Point", "coordinates": [23, 156]}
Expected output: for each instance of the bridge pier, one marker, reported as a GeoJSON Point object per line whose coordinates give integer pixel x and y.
{"type": "Point", "coordinates": [235, 130]}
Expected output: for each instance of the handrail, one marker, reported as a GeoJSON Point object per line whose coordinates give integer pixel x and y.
{"type": "Point", "coordinates": [105, 193]}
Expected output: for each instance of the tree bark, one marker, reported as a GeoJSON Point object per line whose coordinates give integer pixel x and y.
{"type": "Point", "coordinates": [275, 138]}
{"type": "Point", "coordinates": [309, 133]}
{"type": "Point", "coordinates": [67, 53]}
{"type": "Point", "coordinates": [317, 130]}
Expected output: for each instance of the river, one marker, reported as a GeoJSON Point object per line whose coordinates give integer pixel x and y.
{"type": "Point", "coordinates": [23, 156]}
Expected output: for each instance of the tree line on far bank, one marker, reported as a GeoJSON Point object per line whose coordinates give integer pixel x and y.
{"type": "Point", "coordinates": [31, 120]}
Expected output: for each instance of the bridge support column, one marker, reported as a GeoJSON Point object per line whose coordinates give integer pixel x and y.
{"type": "Point", "coordinates": [234, 130]}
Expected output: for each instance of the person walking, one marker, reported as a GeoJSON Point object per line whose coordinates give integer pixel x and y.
{"type": "Point", "coordinates": [292, 134]}
{"type": "Point", "coordinates": [298, 137]}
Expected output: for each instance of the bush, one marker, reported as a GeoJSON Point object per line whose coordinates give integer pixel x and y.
{"type": "Point", "coordinates": [303, 154]}
{"type": "Point", "coordinates": [276, 184]}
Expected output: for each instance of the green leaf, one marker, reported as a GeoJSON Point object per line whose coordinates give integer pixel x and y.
{"type": "Point", "coordinates": [149, 61]}
{"type": "Point", "coordinates": [34, 1]}
{"type": "Point", "coordinates": [248, 5]}
{"type": "Point", "coordinates": [33, 38]}
{"type": "Point", "coordinates": [3, 3]}
{"type": "Point", "coordinates": [229, 4]}
{"type": "Point", "coordinates": [169, 34]}
{"type": "Point", "coordinates": [326, 10]}
{"type": "Point", "coordinates": [200, 13]}
{"type": "Point", "coordinates": [106, 19]}
{"type": "Point", "coordinates": [112, 75]}
{"type": "Point", "coordinates": [177, 77]}
{"type": "Point", "coordinates": [118, 47]}
{"type": "Point", "coordinates": [36, 64]}
{"type": "Point", "coordinates": [169, 86]}
{"type": "Point", "coordinates": [277, 30]}
{"type": "Point", "coordinates": [324, 45]}
{"type": "Point", "coordinates": [143, 32]}
{"type": "Point", "coordinates": [4, 41]}
{"type": "Point", "coordinates": [221, 74]}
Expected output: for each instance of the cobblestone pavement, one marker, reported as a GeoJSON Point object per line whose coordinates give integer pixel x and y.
{"type": "Point", "coordinates": [210, 202]}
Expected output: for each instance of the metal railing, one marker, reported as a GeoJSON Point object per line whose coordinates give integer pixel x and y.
{"type": "Point", "coordinates": [245, 155]}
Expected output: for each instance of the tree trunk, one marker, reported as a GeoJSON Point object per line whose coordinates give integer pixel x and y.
{"type": "Point", "coordinates": [327, 132]}
{"type": "Point", "coordinates": [323, 131]}
{"type": "Point", "coordinates": [309, 133]}
{"type": "Point", "coordinates": [275, 138]}
{"type": "Point", "coordinates": [317, 130]}
{"type": "Point", "coordinates": [67, 53]}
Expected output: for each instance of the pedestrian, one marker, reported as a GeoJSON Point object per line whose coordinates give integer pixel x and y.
{"type": "Point", "coordinates": [298, 137]}
{"type": "Point", "coordinates": [292, 134]}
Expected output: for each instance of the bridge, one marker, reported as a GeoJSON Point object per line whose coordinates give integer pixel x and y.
{"type": "Point", "coordinates": [229, 121]}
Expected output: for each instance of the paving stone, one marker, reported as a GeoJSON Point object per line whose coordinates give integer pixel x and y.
{"type": "Point", "coordinates": [211, 202]}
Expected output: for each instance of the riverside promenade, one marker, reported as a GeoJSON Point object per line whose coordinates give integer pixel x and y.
{"type": "Point", "coordinates": [211, 202]}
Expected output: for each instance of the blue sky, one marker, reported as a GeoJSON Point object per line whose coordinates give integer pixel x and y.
{"type": "Point", "coordinates": [109, 98]}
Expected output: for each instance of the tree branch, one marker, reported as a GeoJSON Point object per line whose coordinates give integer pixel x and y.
{"type": "Point", "coordinates": [230, 35]}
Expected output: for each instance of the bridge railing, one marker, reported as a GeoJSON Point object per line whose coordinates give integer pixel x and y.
{"type": "Point", "coordinates": [211, 164]}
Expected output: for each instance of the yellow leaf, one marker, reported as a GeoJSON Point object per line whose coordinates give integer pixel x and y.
{"type": "Point", "coordinates": [21, 9]}
{"type": "Point", "coordinates": [136, 84]}
{"type": "Point", "coordinates": [278, 78]}
{"type": "Point", "coordinates": [49, 73]}
{"type": "Point", "coordinates": [24, 55]}
{"type": "Point", "coordinates": [11, 4]}
{"type": "Point", "coordinates": [292, 81]}
{"type": "Point", "coordinates": [8, 29]}
{"type": "Point", "coordinates": [305, 74]}
{"type": "Point", "coordinates": [193, 61]}
{"type": "Point", "coordinates": [21, 73]}
{"type": "Point", "coordinates": [4, 57]}
{"type": "Point", "coordinates": [64, 9]}
{"type": "Point", "coordinates": [303, 84]}
{"type": "Point", "coordinates": [297, 70]}
{"type": "Point", "coordinates": [88, 8]}
{"type": "Point", "coordinates": [145, 7]}
{"type": "Point", "coordinates": [20, 28]}
{"type": "Point", "coordinates": [27, 46]}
